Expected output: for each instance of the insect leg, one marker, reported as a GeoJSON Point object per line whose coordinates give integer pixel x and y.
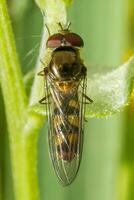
{"type": "Point", "coordinates": [42, 101]}
{"type": "Point", "coordinates": [44, 71]}
{"type": "Point", "coordinates": [41, 73]}
{"type": "Point", "coordinates": [86, 97]}
{"type": "Point", "coordinates": [85, 120]}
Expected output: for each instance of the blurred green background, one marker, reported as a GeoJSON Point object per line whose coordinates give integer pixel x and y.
{"type": "Point", "coordinates": [107, 168]}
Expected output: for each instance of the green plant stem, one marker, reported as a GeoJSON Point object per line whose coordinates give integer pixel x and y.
{"type": "Point", "coordinates": [11, 77]}
{"type": "Point", "coordinates": [3, 133]}
{"type": "Point", "coordinates": [23, 146]}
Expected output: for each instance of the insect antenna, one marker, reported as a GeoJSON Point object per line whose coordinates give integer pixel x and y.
{"type": "Point", "coordinates": [66, 28]}
{"type": "Point", "coordinates": [68, 25]}
{"type": "Point", "coordinates": [61, 27]}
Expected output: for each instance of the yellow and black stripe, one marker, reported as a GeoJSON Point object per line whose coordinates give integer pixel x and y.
{"type": "Point", "coordinates": [67, 128]}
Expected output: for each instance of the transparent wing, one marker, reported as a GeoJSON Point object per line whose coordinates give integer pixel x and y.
{"type": "Point", "coordinates": [65, 118]}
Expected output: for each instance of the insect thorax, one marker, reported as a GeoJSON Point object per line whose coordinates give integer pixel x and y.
{"type": "Point", "coordinates": [65, 63]}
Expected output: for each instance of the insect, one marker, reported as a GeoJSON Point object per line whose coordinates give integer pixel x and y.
{"type": "Point", "coordinates": [65, 81]}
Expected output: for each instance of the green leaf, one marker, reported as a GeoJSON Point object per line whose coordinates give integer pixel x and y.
{"type": "Point", "coordinates": [110, 89]}
{"type": "Point", "coordinates": [21, 138]}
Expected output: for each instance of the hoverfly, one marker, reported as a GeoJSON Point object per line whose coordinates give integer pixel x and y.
{"type": "Point", "coordinates": [65, 80]}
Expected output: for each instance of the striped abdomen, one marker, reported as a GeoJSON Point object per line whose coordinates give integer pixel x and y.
{"type": "Point", "coordinates": [66, 127]}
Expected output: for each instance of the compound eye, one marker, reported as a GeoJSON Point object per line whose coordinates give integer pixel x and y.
{"type": "Point", "coordinates": [74, 40]}
{"type": "Point", "coordinates": [54, 41]}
